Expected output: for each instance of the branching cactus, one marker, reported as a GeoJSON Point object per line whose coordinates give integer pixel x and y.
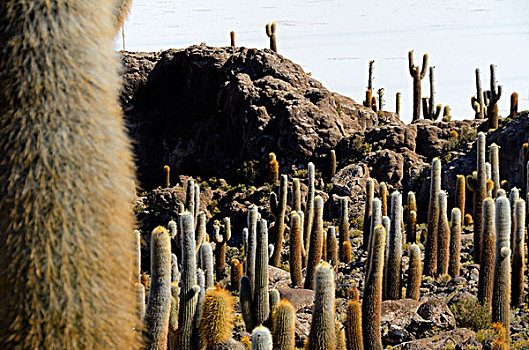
{"type": "Point", "coordinates": [296, 195]}
{"type": "Point", "coordinates": [273, 168]}
{"type": "Point", "coordinates": [271, 33]}
{"type": "Point", "coordinates": [477, 102]}
{"type": "Point", "coordinates": [253, 215]}
{"type": "Point", "coordinates": [492, 97]}
{"type": "Point", "coordinates": [455, 243]}
{"type": "Point", "coordinates": [372, 302]}
{"type": "Point", "coordinates": [411, 218]}
{"type": "Point", "coordinates": [354, 322]}
{"type": "Point", "coordinates": [486, 269]}
{"type": "Point", "coordinates": [518, 260]}
{"type": "Point", "coordinates": [413, 290]}
{"type": "Point", "coordinates": [481, 193]}
{"type": "Point", "coordinates": [460, 195]}
{"type": "Point", "coordinates": [322, 329]}
{"type": "Point", "coordinates": [260, 291]}
{"type": "Point", "coordinates": [295, 249]}
{"type": "Point", "coordinates": [261, 339]}
{"type": "Point", "coordinates": [167, 176]}
{"type": "Point", "coordinates": [217, 317]}
{"type": "Point", "coordinates": [394, 256]}
{"type": "Point", "coordinates": [315, 250]}
{"type": "Point", "coordinates": [495, 167]}
{"type": "Point", "coordinates": [417, 74]}
{"type": "Point", "coordinates": [370, 194]}
{"type": "Point", "coordinates": [309, 212]}
{"type": "Point", "coordinates": [245, 300]}
{"type": "Point", "coordinates": [157, 314]}
{"type": "Point", "coordinates": [430, 256]}
{"type": "Point", "coordinates": [332, 246]}
{"type": "Point", "coordinates": [430, 109]}
{"type": "Point", "coordinates": [278, 207]}
{"type": "Point", "coordinates": [343, 227]}
{"type": "Point", "coordinates": [376, 219]}
{"type": "Point", "coordinates": [443, 229]}
{"type": "Point", "coordinates": [284, 326]}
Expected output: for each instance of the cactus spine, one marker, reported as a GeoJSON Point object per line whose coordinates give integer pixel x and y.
{"type": "Point", "coordinates": [460, 195]}
{"type": "Point", "coordinates": [486, 269]}
{"type": "Point", "coordinates": [261, 339]}
{"type": "Point", "coordinates": [343, 226]}
{"type": "Point", "coordinates": [315, 250]}
{"type": "Point", "coordinates": [278, 207]}
{"type": "Point", "coordinates": [394, 255]}
{"type": "Point", "coordinates": [370, 193]}
{"type": "Point", "coordinates": [430, 258]}
{"type": "Point", "coordinates": [260, 290]}
{"type": "Point", "coordinates": [443, 229]}
{"type": "Point", "coordinates": [332, 246]}
{"type": "Point", "coordinates": [417, 74]}
{"type": "Point", "coordinates": [455, 243]}
{"type": "Point", "coordinates": [481, 193]}
{"type": "Point", "coordinates": [354, 322]}
{"type": "Point", "coordinates": [492, 96]}
{"type": "Point", "coordinates": [430, 109]}
{"type": "Point", "coordinates": [217, 317]}
{"type": "Point", "coordinates": [322, 329]}
{"type": "Point", "coordinates": [157, 314]}
{"type": "Point", "coordinates": [271, 33]}
{"type": "Point", "coordinates": [495, 167]}
{"type": "Point", "coordinates": [372, 302]}
{"type": "Point", "coordinates": [518, 260]}
{"type": "Point", "coordinates": [413, 290]}
{"type": "Point", "coordinates": [309, 213]}
{"type": "Point", "coordinates": [284, 326]}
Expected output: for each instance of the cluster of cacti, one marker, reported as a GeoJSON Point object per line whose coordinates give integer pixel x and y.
{"type": "Point", "coordinates": [370, 101]}
{"type": "Point", "coordinates": [271, 33]}
{"type": "Point", "coordinates": [417, 74]}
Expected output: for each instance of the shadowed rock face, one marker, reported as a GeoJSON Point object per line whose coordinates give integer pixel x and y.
{"type": "Point", "coordinates": [204, 111]}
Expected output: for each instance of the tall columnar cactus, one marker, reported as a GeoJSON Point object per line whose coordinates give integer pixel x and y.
{"type": "Point", "coordinates": [380, 98]}
{"type": "Point", "coordinates": [492, 96]}
{"type": "Point", "coordinates": [347, 252]}
{"type": "Point", "coordinates": [368, 102]}
{"type": "Point", "coordinates": [460, 195]}
{"type": "Point", "coordinates": [139, 291]}
{"type": "Point", "coordinates": [486, 269]}
{"type": "Point", "coordinates": [136, 263]}
{"type": "Point", "coordinates": [371, 77]}
{"type": "Point", "coordinates": [343, 226]}
{"type": "Point", "coordinates": [518, 260]}
{"type": "Point", "coordinates": [372, 302]}
{"type": "Point", "coordinates": [430, 256]}
{"type": "Point", "coordinates": [173, 315]}
{"type": "Point", "coordinates": [397, 103]}
{"type": "Point", "coordinates": [273, 300]}
{"type": "Point", "coordinates": [332, 163]}
{"type": "Point", "coordinates": [386, 222]}
{"type": "Point", "coordinates": [197, 205]}
{"type": "Point", "coordinates": [167, 176]}
{"type": "Point", "coordinates": [413, 289]}
{"type": "Point", "coordinates": [217, 317]}
{"type": "Point", "coordinates": [253, 215]}
{"type": "Point", "coordinates": [175, 274]}
{"type": "Point", "coordinates": [322, 329]}
{"type": "Point", "coordinates": [481, 193]}
{"type": "Point", "coordinates": [260, 290]}
{"type": "Point", "coordinates": [232, 39]}
{"type": "Point", "coordinates": [514, 105]}
{"type": "Point", "coordinates": [295, 249]}
{"type": "Point", "coordinates": [271, 33]}
{"type": "Point", "coordinates": [315, 250]}
{"type": "Point", "coordinates": [455, 243]}
{"type": "Point", "coordinates": [411, 218]}
{"type": "Point", "coordinates": [394, 255]}
{"type": "Point", "coordinates": [309, 212]}
{"type": "Point", "coordinates": [332, 246]}
{"type": "Point", "coordinates": [236, 274]}
{"type": "Point", "coordinates": [430, 109]}
{"type": "Point", "coordinates": [370, 193]}
{"type": "Point", "coordinates": [353, 311]}
{"type": "Point", "coordinates": [222, 234]}
{"type": "Point", "coordinates": [341, 343]}
{"type": "Point", "coordinates": [477, 102]}
{"type": "Point", "coordinates": [206, 263]}
{"type": "Point", "coordinates": [446, 114]}
{"type": "Point", "coordinates": [417, 74]}
{"type": "Point", "coordinates": [284, 326]}
{"type": "Point", "coordinates": [245, 300]}
{"type": "Point", "coordinates": [261, 339]}
{"type": "Point", "coordinates": [157, 313]}
{"type": "Point", "coordinates": [201, 281]}
{"type": "Point", "coordinates": [278, 207]}
{"type": "Point", "coordinates": [376, 219]}
{"type": "Point", "coordinates": [200, 229]}
{"type": "Point", "coordinates": [514, 195]}
{"type": "Point", "coordinates": [296, 195]}
{"type": "Point", "coordinates": [273, 168]}
{"type": "Point", "coordinates": [443, 233]}
{"type": "Point", "coordinates": [495, 167]}
{"type": "Point", "coordinates": [190, 196]}
{"type": "Point", "coordinates": [384, 198]}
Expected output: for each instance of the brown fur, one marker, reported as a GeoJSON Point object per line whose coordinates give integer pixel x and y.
{"type": "Point", "coordinates": [65, 180]}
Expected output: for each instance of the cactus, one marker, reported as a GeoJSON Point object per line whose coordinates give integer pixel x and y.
{"type": "Point", "coordinates": [220, 245]}
{"type": "Point", "coordinates": [353, 310]}
{"type": "Point", "coordinates": [173, 315]}
{"type": "Point", "coordinates": [189, 289]}
{"type": "Point", "coordinates": [145, 281]}
{"type": "Point", "coordinates": [278, 207]}
{"type": "Point", "coordinates": [397, 103]}
{"type": "Point", "coordinates": [380, 98]}
{"type": "Point", "coordinates": [487, 254]}
{"type": "Point", "coordinates": [332, 163]}
{"type": "Point", "coordinates": [273, 301]}
{"type": "Point", "coordinates": [296, 195]}
{"type": "Point", "coordinates": [446, 114]}
{"type": "Point", "coordinates": [273, 168]}
{"type": "Point", "coordinates": [370, 193]}
{"type": "Point", "coordinates": [372, 302]}
{"type": "Point", "coordinates": [514, 195]}
{"type": "Point", "coordinates": [514, 105]}
{"type": "Point", "coordinates": [340, 335]}
{"type": "Point", "coordinates": [518, 260]}
{"type": "Point", "coordinates": [157, 313]}
{"type": "Point", "coordinates": [206, 263]}
{"type": "Point", "coordinates": [315, 250]}
{"type": "Point", "coordinates": [413, 290]}
{"type": "Point", "coordinates": [332, 246]}
{"type": "Point", "coordinates": [261, 339]}
{"type": "Point", "coordinates": [443, 236]}
{"type": "Point", "coordinates": [430, 109]}
{"type": "Point", "coordinates": [417, 74]}
{"type": "Point", "coordinates": [480, 190]}
{"type": "Point", "coordinates": [309, 213]}
{"type": "Point", "coordinates": [347, 252]}
{"type": "Point", "coordinates": [460, 195]}
{"type": "Point", "coordinates": [271, 33]}
{"type": "Point", "coordinates": [386, 222]}
{"type": "Point", "coordinates": [253, 215]}
{"type": "Point", "coordinates": [394, 255]}
{"type": "Point", "coordinates": [374, 104]}
{"type": "Point", "coordinates": [245, 300]}
{"type": "Point", "coordinates": [455, 243]}
{"type": "Point", "coordinates": [217, 317]}
{"type": "Point", "coordinates": [236, 274]}
{"type": "Point", "coordinates": [492, 96]}
{"type": "Point", "coordinates": [371, 77]}
{"type": "Point", "coordinates": [411, 218]}
{"type": "Point", "coordinates": [343, 227]}
{"type": "Point", "coordinates": [495, 167]}
{"type": "Point", "coordinates": [232, 39]}
{"type": "Point", "coordinates": [430, 256]}
{"type": "Point", "coordinates": [136, 263]}
{"type": "Point", "coordinates": [295, 249]}
{"type": "Point", "coordinates": [167, 176]}
{"type": "Point", "coordinates": [376, 219]}
{"type": "Point", "coordinates": [369, 98]}
{"type": "Point", "coordinates": [261, 307]}
{"type": "Point", "coordinates": [139, 290]}
{"type": "Point", "coordinates": [201, 229]}
{"type": "Point", "coordinates": [322, 333]}
{"type": "Point", "coordinates": [197, 207]}
{"type": "Point", "coordinates": [477, 103]}
{"type": "Point", "coordinates": [175, 275]}
{"type": "Point", "coordinates": [525, 160]}
{"type": "Point", "coordinates": [324, 247]}
{"type": "Point", "coordinates": [384, 198]}
{"type": "Point", "coordinates": [190, 196]}
{"type": "Point", "coordinates": [284, 326]}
